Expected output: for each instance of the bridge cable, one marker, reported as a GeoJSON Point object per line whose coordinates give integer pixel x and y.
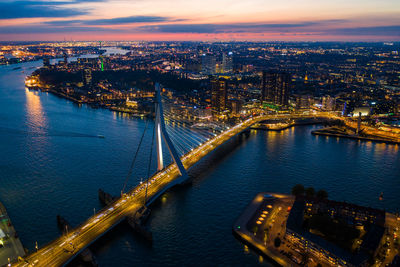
{"type": "Point", "coordinates": [148, 169]}
{"type": "Point", "coordinates": [134, 158]}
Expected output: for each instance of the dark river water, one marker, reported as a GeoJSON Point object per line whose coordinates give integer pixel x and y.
{"type": "Point", "coordinates": [52, 162]}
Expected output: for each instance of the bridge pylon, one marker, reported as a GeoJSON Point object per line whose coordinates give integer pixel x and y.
{"type": "Point", "coordinates": [162, 134]}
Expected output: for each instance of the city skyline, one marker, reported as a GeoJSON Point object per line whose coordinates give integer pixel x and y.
{"type": "Point", "coordinates": [154, 20]}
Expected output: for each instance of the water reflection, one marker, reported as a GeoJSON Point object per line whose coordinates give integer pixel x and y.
{"type": "Point", "coordinates": [36, 120]}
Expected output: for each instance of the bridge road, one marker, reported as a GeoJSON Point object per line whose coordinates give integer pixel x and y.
{"type": "Point", "coordinates": [63, 249]}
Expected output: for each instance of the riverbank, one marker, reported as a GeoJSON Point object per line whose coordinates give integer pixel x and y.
{"type": "Point", "coordinates": [250, 228]}
{"type": "Point", "coordinates": [339, 132]}
{"type": "Point", "coordinates": [10, 246]}
{"type": "Point", "coordinates": [280, 126]}
{"type": "Point", "coordinates": [272, 224]}
{"type": "Point", "coordinates": [90, 104]}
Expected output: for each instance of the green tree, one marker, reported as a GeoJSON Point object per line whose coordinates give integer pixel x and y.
{"type": "Point", "coordinates": [322, 194]}
{"type": "Point", "coordinates": [310, 191]}
{"type": "Point", "coordinates": [298, 190]}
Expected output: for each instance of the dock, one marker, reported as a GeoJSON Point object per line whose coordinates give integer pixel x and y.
{"type": "Point", "coordinates": [251, 231]}
{"type": "Point", "coordinates": [344, 133]}
{"type": "Point", "coordinates": [10, 245]}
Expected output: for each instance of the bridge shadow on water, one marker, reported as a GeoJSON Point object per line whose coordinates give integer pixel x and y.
{"type": "Point", "coordinates": [197, 173]}
{"type": "Point", "coordinates": [207, 164]}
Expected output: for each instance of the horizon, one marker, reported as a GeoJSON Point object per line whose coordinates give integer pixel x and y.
{"type": "Point", "coordinates": [203, 41]}
{"type": "Point", "coordinates": [156, 20]}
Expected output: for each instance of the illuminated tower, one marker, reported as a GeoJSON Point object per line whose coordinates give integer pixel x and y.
{"type": "Point", "coordinates": [101, 58]}
{"type": "Point", "coordinates": [101, 63]}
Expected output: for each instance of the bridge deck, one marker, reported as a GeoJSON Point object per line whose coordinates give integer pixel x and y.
{"type": "Point", "coordinates": [66, 247]}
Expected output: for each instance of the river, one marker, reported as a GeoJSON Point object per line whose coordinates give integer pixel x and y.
{"type": "Point", "coordinates": [52, 162]}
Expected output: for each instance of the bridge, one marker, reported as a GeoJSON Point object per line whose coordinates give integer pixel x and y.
{"type": "Point", "coordinates": [62, 250]}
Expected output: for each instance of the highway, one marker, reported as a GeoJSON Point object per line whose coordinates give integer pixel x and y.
{"type": "Point", "coordinates": [66, 247]}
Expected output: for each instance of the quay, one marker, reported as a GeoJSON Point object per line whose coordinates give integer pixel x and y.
{"type": "Point", "coordinates": [292, 231]}
{"type": "Point", "coordinates": [261, 234]}
{"type": "Point", "coordinates": [339, 132]}
{"type": "Point", "coordinates": [279, 125]}
{"type": "Point", "coordinates": [10, 245]}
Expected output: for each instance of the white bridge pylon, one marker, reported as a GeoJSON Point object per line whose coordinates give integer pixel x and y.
{"type": "Point", "coordinates": [162, 134]}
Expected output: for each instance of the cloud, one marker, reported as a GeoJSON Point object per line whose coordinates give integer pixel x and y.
{"type": "Point", "coordinates": [49, 29]}
{"type": "Point", "coordinates": [392, 30]}
{"type": "Point", "coordinates": [41, 9]}
{"type": "Point", "coordinates": [229, 28]}
{"type": "Point", "coordinates": [113, 21]}
{"type": "Point", "coordinates": [327, 27]}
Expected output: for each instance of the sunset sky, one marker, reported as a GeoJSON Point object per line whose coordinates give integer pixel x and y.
{"type": "Point", "coordinates": [211, 20]}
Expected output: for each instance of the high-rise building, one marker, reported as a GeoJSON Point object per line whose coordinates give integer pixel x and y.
{"type": "Point", "coordinates": [219, 95]}
{"type": "Point", "coordinates": [87, 76]}
{"type": "Point", "coordinates": [208, 64]}
{"type": "Point", "coordinates": [227, 62]}
{"type": "Point", "coordinates": [236, 105]}
{"type": "Point", "coordinates": [328, 103]}
{"type": "Point", "coordinates": [275, 87]}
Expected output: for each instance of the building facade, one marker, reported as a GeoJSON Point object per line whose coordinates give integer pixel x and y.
{"type": "Point", "coordinates": [218, 95]}
{"type": "Point", "coordinates": [275, 87]}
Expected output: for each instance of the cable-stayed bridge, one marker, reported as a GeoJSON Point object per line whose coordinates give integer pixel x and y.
{"type": "Point", "coordinates": [187, 142]}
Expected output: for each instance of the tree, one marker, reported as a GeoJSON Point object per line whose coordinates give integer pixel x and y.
{"type": "Point", "coordinates": [322, 194]}
{"type": "Point", "coordinates": [310, 191]}
{"type": "Point", "coordinates": [298, 190]}
{"type": "Point", "coordinates": [277, 242]}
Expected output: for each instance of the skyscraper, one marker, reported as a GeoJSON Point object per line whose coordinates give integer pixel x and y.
{"type": "Point", "coordinates": [227, 62]}
{"type": "Point", "coordinates": [208, 64]}
{"type": "Point", "coordinates": [275, 87]}
{"type": "Point", "coordinates": [218, 95]}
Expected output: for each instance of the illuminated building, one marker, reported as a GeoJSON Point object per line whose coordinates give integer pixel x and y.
{"type": "Point", "coordinates": [218, 95]}
{"type": "Point", "coordinates": [131, 103]}
{"type": "Point", "coordinates": [325, 250]}
{"type": "Point", "coordinates": [236, 106]}
{"type": "Point", "coordinates": [275, 87]}
{"type": "Point", "coordinates": [227, 62]}
{"type": "Point", "coordinates": [208, 64]}
{"type": "Point", "coordinates": [328, 103]}
{"type": "Point", "coordinates": [364, 111]}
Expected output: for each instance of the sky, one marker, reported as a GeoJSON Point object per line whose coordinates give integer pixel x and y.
{"type": "Point", "coordinates": [205, 20]}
